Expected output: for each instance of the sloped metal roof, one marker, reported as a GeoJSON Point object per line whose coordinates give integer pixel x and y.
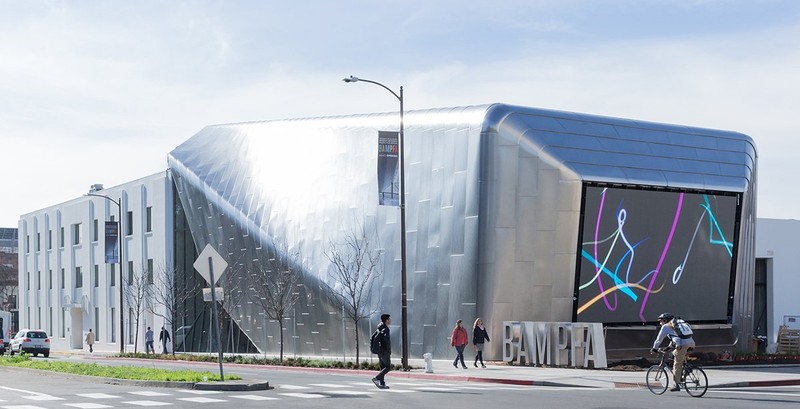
{"type": "Point", "coordinates": [616, 150]}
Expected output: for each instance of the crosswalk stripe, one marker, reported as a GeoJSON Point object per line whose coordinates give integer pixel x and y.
{"type": "Point", "coordinates": [149, 393]}
{"type": "Point", "coordinates": [87, 405]}
{"type": "Point", "coordinates": [97, 395]}
{"type": "Point", "coordinates": [304, 395]}
{"type": "Point", "coordinates": [293, 387]}
{"type": "Point", "coordinates": [147, 403]}
{"type": "Point", "coordinates": [201, 399]}
{"type": "Point", "coordinates": [254, 397]}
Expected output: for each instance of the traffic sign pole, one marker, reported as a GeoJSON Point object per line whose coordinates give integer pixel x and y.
{"type": "Point", "coordinates": [216, 315]}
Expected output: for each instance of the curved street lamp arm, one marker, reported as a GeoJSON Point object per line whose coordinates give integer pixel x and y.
{"type": "Point", "coordinates": [356, 79]}
{"type": "Point", "coordinates": [103, 196]}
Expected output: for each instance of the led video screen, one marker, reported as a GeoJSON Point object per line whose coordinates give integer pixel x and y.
{"type": "Point", "coordinates": [644, 252]}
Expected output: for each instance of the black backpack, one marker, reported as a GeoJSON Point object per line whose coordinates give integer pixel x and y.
{"type": "Point", "coordinates": [375, 342]}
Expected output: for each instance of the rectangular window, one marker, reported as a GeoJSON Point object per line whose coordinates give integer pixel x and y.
{"type": "Point", "coordinates": [27, 280]}
{"type": "Point", "coordinates": [50, 239]}
{"type": "Point", "coordinates": [76, 233]}
{"type": "Point", "coordinates": [61, 238]}
{"type": "Point", "coordinates": [38, 280]}
{"type": "Point", "coordinates": [27, 244]}
{"type": "Point", "coordinates": [50, 281]}
{"type": "Point", "coordinates": [96, 275]}
{"type": "Point", "coordinates": [149, 219]}
{"type": "Point", "coordinates": [97, 331]}
{"type": "Point", "coordinates": [95, 229]}
{"type": "Point", "coordinates": [63, 320]}
{"type": "Point", "coordinates": [50, 322]}
{"type": "Point", "coordinates": [38, 241]}
{"type": "Point", "coordinates": [78, 277]}
{"type": "Point", "coordinates": [112, 277]}
{"type": "Point", "coordinates": [63, 279]}
{"type": "Point", "coordinates": [130, 325]}
{"type": "Point", "coordinates": [130, 272]}
{"type": "Point", "coordinates": [129, 224]}
{"type": "Point", "coordinates": [149, 271]}
{"type": "Point", "coordinates": [113, 325]}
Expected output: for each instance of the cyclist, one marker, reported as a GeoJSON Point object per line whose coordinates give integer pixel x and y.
{"type": "Point", "coordinates": [682, 345]}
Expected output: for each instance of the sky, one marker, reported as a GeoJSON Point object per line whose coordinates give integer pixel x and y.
{"type": "Point", "coordinates": [101, 91]}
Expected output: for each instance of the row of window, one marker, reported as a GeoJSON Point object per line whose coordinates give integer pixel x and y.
{"type": "Point", "coordinates": [96, 280]}
{"type": "Point", "coordinates": [76, 235]}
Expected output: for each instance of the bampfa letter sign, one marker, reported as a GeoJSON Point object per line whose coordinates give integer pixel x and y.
{"type": "Point", "coordinates": [576, 344]}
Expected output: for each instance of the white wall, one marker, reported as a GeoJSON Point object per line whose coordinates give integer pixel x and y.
{"type": "Point", "coordinates": [67, 313]}
{"type": "Point", "coordinates": [777, 241]}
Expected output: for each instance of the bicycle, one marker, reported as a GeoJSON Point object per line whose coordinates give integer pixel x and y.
{"type": "Point", "coordinates": [693, 380]}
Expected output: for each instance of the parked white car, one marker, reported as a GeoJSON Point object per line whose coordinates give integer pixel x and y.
{"type": "Point", "coordinates": [32, 341]}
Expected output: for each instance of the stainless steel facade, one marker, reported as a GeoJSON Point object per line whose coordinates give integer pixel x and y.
{"type": "Point", "coordinates": [493, 201]}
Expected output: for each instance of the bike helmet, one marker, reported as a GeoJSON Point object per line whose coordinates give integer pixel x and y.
{"type": "Point", "coordinates": [666, 317]}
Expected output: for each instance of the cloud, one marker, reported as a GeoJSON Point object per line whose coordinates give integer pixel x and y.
{"type": "Point", "coordinates": [102, 94]}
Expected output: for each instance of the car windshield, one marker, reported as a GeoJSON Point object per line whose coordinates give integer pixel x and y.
{"type": "Point", "coordinates": [37, 334]}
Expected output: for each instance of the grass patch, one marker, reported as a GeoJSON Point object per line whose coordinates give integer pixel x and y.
{"type": "Point", "coordinates": [116, 372]}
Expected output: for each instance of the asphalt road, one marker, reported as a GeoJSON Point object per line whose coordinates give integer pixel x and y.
{"type": "Point", "coordinates": [304, 389]}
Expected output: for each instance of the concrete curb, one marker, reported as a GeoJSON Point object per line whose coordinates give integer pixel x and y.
{"type": "Point", "coordinates": [757, 384]}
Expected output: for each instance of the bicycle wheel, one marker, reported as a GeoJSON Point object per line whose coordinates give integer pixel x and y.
{"type": "Point", "coordinates": [657, 379]}
{"type": "Point", "coordinates": [696, 382]}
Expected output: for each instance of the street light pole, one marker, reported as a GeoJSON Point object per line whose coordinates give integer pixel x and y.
{"type": "Point", "coordinates": [121, 299]}
{"type": "Point", "coordinates": [403, 297]}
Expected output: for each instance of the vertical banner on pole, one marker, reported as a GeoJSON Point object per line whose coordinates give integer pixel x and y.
{"type": "Point", "coordinates": [112, 243]}
{"type": "Point", "coordinates": [388, 168]}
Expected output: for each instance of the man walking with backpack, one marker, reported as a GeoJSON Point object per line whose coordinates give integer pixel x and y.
{"type": "Point", "coordinates": [381, 344]}
{"type": "Point", "coordinates": [680, 336]}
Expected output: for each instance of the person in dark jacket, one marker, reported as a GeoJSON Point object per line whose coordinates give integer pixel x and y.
{"type": "Point", "coordinates": [163, 336]}
{"type": "Point", "coordinates": [479, 337]}
{"type": "Point", "coordinates": [385, 354]}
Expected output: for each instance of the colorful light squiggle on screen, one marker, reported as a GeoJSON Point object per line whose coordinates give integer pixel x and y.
{"type": "Point", "coordinates": [646, 247]}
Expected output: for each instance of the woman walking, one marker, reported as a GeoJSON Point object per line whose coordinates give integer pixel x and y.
{"type": "Point", "coordinates": [459, 340]}
{"type": "Point", "coordinates": [479, 336]}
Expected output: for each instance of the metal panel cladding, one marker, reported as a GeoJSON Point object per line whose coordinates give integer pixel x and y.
{"type": "Point", "coordinates": [246, 187]}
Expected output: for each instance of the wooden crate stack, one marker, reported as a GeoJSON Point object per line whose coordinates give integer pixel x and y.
{"type": "Point", "coordinates": [788, 340]}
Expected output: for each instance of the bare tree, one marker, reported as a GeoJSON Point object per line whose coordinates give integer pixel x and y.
{"type": "Point", "coordinates": [138, 295]}
{"type": "Point", "coordinates": [355, 262]}
{"type": "Point", "coordinates": [275, 282]}
{"type": "Point", "coordinates": [170, 293]}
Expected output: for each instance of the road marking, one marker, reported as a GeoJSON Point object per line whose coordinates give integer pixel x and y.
{"type": "Point", "coordinates": [304, 395]}
{"type": "Point", "coordinates": [293, 387]}
{"type": "Point", "coordinates": [253, 397]}
{"type": "Point", "coordinates": [98, 395]}
{"type": "Point", "coordinates": [329, 385]}
{"type": "Point", "coordinates": [434, 389]}
{"type": "Point", "coordinates": [87, 405]}
{"type": "Point", "coordinates": [21, 407]}
{"type": "Point", "coordinates": [150, 393]}
{"type": "Point", "coordinates": [43, 397]}
{"type": "Point", "coordinates": [201, 399]}
{"type": "Point", "coordinates": [147, 403]}
{"type": "Point", "coordinates": [348, 393]}
{"type": "Point", "coordinates": [199, 392]}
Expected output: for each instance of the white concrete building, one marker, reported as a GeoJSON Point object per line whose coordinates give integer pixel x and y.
{"type": "Point", "coordinates": [777, 276]}
{"type": "Point", "coordinates": [66, 287]}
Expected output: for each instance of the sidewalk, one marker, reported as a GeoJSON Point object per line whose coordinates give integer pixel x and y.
{"type": "Point", "coordinates": [718, 377]}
